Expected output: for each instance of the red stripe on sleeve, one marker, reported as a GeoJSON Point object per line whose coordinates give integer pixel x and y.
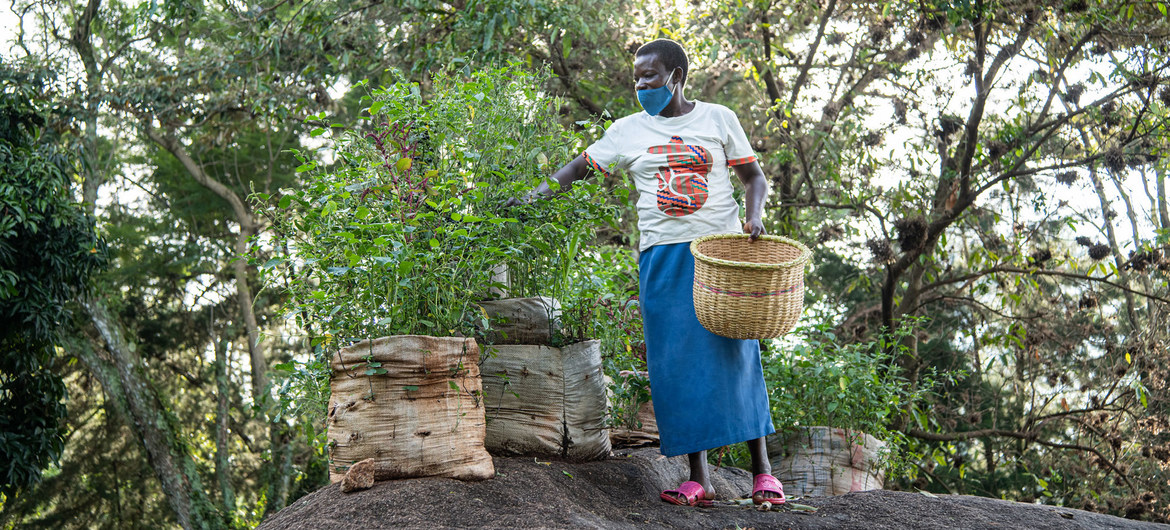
{"type": "Point", "coordinates": [593, 163]}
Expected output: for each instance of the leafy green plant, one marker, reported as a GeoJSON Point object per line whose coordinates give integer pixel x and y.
{"type": "Point", "coordinates": [401, 233]}
{"type": "Point", "coordinates": [821, 381]}
{"type": "Point", "coordinates": [627, 394]}
{"type": "Point", "coordinates": [49, 251]}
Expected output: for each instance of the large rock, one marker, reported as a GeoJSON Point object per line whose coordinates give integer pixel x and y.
{"type": "Point", "coordinates": [659, 473]}
{"type": "Point", "coordinates": [622, 492]}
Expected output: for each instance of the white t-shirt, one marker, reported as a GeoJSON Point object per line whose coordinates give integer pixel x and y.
{"type": "Point", "coordinates": [680, 166]}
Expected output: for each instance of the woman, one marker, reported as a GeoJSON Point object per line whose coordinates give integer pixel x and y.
{"type": "Point", "coordinates": [708, 390]}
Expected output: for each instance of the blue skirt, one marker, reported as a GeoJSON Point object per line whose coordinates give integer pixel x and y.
{"type": "Point", "coordinates": [708, 391]}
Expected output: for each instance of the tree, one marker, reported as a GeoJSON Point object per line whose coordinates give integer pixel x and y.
{"type": "Point", "coordinates": [48, 251]}
{"type": "Point", "coordinates": [939, 134]}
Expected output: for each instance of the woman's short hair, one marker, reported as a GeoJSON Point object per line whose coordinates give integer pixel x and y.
{"type": "Point", "coordinates": [669, 52]}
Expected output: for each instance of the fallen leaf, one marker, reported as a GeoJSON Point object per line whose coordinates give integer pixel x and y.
{"type": "Point", "coordinates": [928, 494]}
{"type": "Point", "coordinates": [801, 507]}
{"type": "Point", "coordinates": [567, 474]}
{"type": "Point", "coordinates": [541, 463]}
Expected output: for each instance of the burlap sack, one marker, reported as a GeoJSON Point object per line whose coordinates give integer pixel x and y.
{"type": "Point", "coordinates": [423, 417]}
{"type": "Point", "coordinates": [823, 461]}
{"type": "Point", "coordinates": [521, 320]}
{"type": "Point", "coordinates": [545, 401]}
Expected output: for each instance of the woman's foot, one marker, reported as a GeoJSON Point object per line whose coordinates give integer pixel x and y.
{"type": "Point", "coordinates": [767, 489]}
{"type": "Point", "coordinates": [689, 493]}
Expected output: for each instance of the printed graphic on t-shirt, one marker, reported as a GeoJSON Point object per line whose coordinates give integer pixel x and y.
{"type": "Point", "coordinates": [682, 182]}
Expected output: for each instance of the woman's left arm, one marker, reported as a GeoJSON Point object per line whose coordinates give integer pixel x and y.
{"type": "Point", "coordinates": [756, 187]}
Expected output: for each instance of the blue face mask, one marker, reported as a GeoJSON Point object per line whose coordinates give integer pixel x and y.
{"type": "Point", "coordinates": [655, 99]}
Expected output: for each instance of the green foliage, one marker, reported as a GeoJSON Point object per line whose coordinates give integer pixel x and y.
{"type": "Point", "coordinates": [601, 303]}
{"type": "Point", "coordinates": [401, 234]}
{"type": "Point", "coordinates": [857, 386]}
{"type": "Point", "coordinates": [48, 249]}
{"type": "Point", "coordinates": [1064, 354]}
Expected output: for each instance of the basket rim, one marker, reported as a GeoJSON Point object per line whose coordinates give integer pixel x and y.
{"type": "Point", "coordinates": [801, 260]}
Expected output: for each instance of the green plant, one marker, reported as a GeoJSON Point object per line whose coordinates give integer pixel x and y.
{"type": "Point", "coordinates": [627, 394]}
{"type": "Point", "coordinates": [820, 381]}
{"type": "Point", "coordinates": [401, 233]}
{"type": "Point", "coordinates": [49, 251]}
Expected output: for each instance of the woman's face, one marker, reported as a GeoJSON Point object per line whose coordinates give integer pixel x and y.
{"type": "Point", "coordinates": [649, 72]}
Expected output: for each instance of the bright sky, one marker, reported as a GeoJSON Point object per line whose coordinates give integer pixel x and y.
{"type": "Point", "coordinates": [8, 24]}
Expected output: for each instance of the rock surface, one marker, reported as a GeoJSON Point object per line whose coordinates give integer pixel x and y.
{"type": "Point", "coordinates": [622, 492]}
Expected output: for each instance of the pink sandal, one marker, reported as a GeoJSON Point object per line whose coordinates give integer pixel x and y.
{"type": "Point", "coordinates": [689, 493]}
{"type": "Point", "coordinates": [767, 484]}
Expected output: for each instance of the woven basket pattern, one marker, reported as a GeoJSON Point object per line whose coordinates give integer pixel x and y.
{"type": "Point", "coordinates": [749, 289]}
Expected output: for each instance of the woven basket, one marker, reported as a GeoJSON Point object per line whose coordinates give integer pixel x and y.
{"type": "Point", "coordinates": [749, 289]}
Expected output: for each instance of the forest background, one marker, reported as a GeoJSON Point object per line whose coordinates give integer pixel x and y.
{"type": "Point", "coordinates": [996, 170]}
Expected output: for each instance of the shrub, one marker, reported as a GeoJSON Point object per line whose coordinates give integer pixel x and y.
{"type": "Point", "coordinates": [401, 233]}
{"type": "Point", "coordinates": [822, 381]}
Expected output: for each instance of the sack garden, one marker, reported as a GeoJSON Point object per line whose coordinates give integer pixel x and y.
{"type": "Point", "coordinates": [446, 327]}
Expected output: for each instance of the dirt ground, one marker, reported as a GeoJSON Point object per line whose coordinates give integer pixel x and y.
{"type": "Point", "coordinates": [622, 492]}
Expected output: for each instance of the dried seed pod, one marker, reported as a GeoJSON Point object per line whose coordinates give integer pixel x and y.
{"type": "Point", "coordinates": [996, 148]}
{"type": "Point", "coordinates": [1142, 261]}
{"type": "Point", "coordinates": [1135, 508]}
{"type": "Point", "coordinates": [1039, 257]}
{"type": "Point", "coordinates": [972, 68]}
{"type": "Point", "coordinates": [911, 233]}
{"type": "Point", "coordinates": [830, 233]}
{"type": "Point", "coordinates": [881, 251]}
{"type": "Point", "coordinates": [1067, 178]}
{"type": "Point", "coordinates": [948, 124]}
{"type": "Point", "coordinates": [900, 111]}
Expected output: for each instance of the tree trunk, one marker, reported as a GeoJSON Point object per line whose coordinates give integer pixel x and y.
{"type": "Point", "coordinates": [222, 418]}
{"type": "Point", "coordinates": [280, 468]}
{"type": "Point", "coordinates": [240, 266]}
{"type": "Point", "coordinates": [79, 38]}
{"type": "Point", "coordinates": [130, 389]}
{"type": "Point", "coordinates": [1163, 211]}
{"type": "Point", "coordinates": [280, 464]}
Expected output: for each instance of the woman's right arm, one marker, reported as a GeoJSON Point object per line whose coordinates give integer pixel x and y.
{"type": "Point", "coordinates": [575, 170]}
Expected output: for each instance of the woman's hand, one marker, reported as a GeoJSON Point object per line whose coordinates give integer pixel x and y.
{"type": "Point", "coordinates": [755, 227]}
{"type": "Point", "coordinates": [517, 201]}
